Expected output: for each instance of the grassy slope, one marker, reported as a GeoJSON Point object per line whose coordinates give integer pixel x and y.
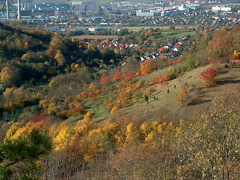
{"type": "Point", "coordinates": [199, 98]}
{"type": "Point", "coordinates": [178, 35]}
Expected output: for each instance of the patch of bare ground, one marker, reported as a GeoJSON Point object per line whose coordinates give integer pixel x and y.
{"type": "Point", "coordinates": [163, 104]}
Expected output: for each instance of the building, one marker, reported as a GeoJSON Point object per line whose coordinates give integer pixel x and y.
{"type": "Point", "coordinates": [52, 28]}
{"type": "Point", "coordinates": [86, 9]}
{"type": "Point", "coordinates": [221, 8]}
{"type": "Point", "coordinates": [82, 3]}
{"type": "Point", "coordinates": [148, 13]}
{"type": "Point", "coordinates": [94, 29]}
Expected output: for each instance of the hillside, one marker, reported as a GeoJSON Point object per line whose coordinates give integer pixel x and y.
{"type": "Point", "coordinates": [145, 105]}
{"type": "Point", "coordinates": [198, 98]}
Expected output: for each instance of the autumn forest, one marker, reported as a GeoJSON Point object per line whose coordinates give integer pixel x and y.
{"type": "Point", "coordinates": [153, 104]}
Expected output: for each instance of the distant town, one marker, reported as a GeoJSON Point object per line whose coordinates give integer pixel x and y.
{"type": "Point", "coordinates": [92, 17]}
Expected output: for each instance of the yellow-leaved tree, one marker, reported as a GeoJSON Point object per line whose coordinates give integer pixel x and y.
{"type": "Point", "coordinates": [132, 133]}
{"type": "Point", "coordinates": [209, 147]}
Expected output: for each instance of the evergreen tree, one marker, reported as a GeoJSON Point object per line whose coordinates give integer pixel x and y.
{"type": "Point", "coordinates": [18, 156]}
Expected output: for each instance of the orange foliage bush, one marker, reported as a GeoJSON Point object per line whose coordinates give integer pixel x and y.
{"type": "Point", "coordinates": [69, 99]}
{"type": "Point", "coordinates": [138, 73]}
{"type": "Point", "coordinates": [147, 66]}
{"type": "Point", "coordinates": [94, 93]}
{"type": "Point", "coordinates": [82, 95]}
{"type": "Point", "coordinates": [138, 85]}
{"type": "Point", "coordinates": [121, 94]}
{"type": "Point", "coordinates": [109, 105]}
{"type": "Point", "coordinates": [75, 105]}
{"type": "Point", "coordinates": [91, 94]}
{"type": "Point", "coordinates": [98, 91]}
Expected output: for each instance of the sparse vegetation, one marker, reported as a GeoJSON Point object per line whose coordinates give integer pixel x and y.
{"type": "Point", "coordinates": [97, 111]}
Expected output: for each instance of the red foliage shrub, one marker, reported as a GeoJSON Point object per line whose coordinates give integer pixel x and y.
{"type": "Point", "coordinates": [179, 75]}
{"type": "Point", "coordinates": [111, 104]}
{"type": "Point", "coordinates": [162, 56]}
{"type": "Point", "coordinates": [127, 78]}
{"type": "Point", "coordinates": [121, 94]}
{"type": "Point", "coordinates": [104, 79]}
{"type": "Point", "coordinates": [125, 102]}
{"type": "Point", "coordinates": [208, 76]}
{"type": "Point", "coordinates": [117, 76]}
{"type": "Point", "coordinates": [166, 77]}
{"type": "Point", "coordinates": [179, 59]}
{"type": "Point", "coordinates": [165, 83]}
{"type": "Point", "coordinates": [161, 79]}
{"type": "Point", "coordinates": [38, 117]}
{"type": "Point", "coordinates": [155, 79]}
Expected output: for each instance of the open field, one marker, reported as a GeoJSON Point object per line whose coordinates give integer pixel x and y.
{"type": "Point", "coordinates": [137, 28]}
{"type": "Point", "coordinates": [164, 28]}
{"type": "Point", "coordinates": [94, 37]}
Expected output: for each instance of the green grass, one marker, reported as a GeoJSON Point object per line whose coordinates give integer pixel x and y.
{"type": "Point", "coordinates": [178, 34]}
{"type": "Point", "coordinates": [137, 28]}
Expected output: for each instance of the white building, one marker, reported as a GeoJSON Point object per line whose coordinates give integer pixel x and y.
{"type": "Point", "coordinates": [82, 3]}
{"type": "Point", "coordinates": [182, 7]}
{"type": "Point", "coordinates": [221, 8]}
